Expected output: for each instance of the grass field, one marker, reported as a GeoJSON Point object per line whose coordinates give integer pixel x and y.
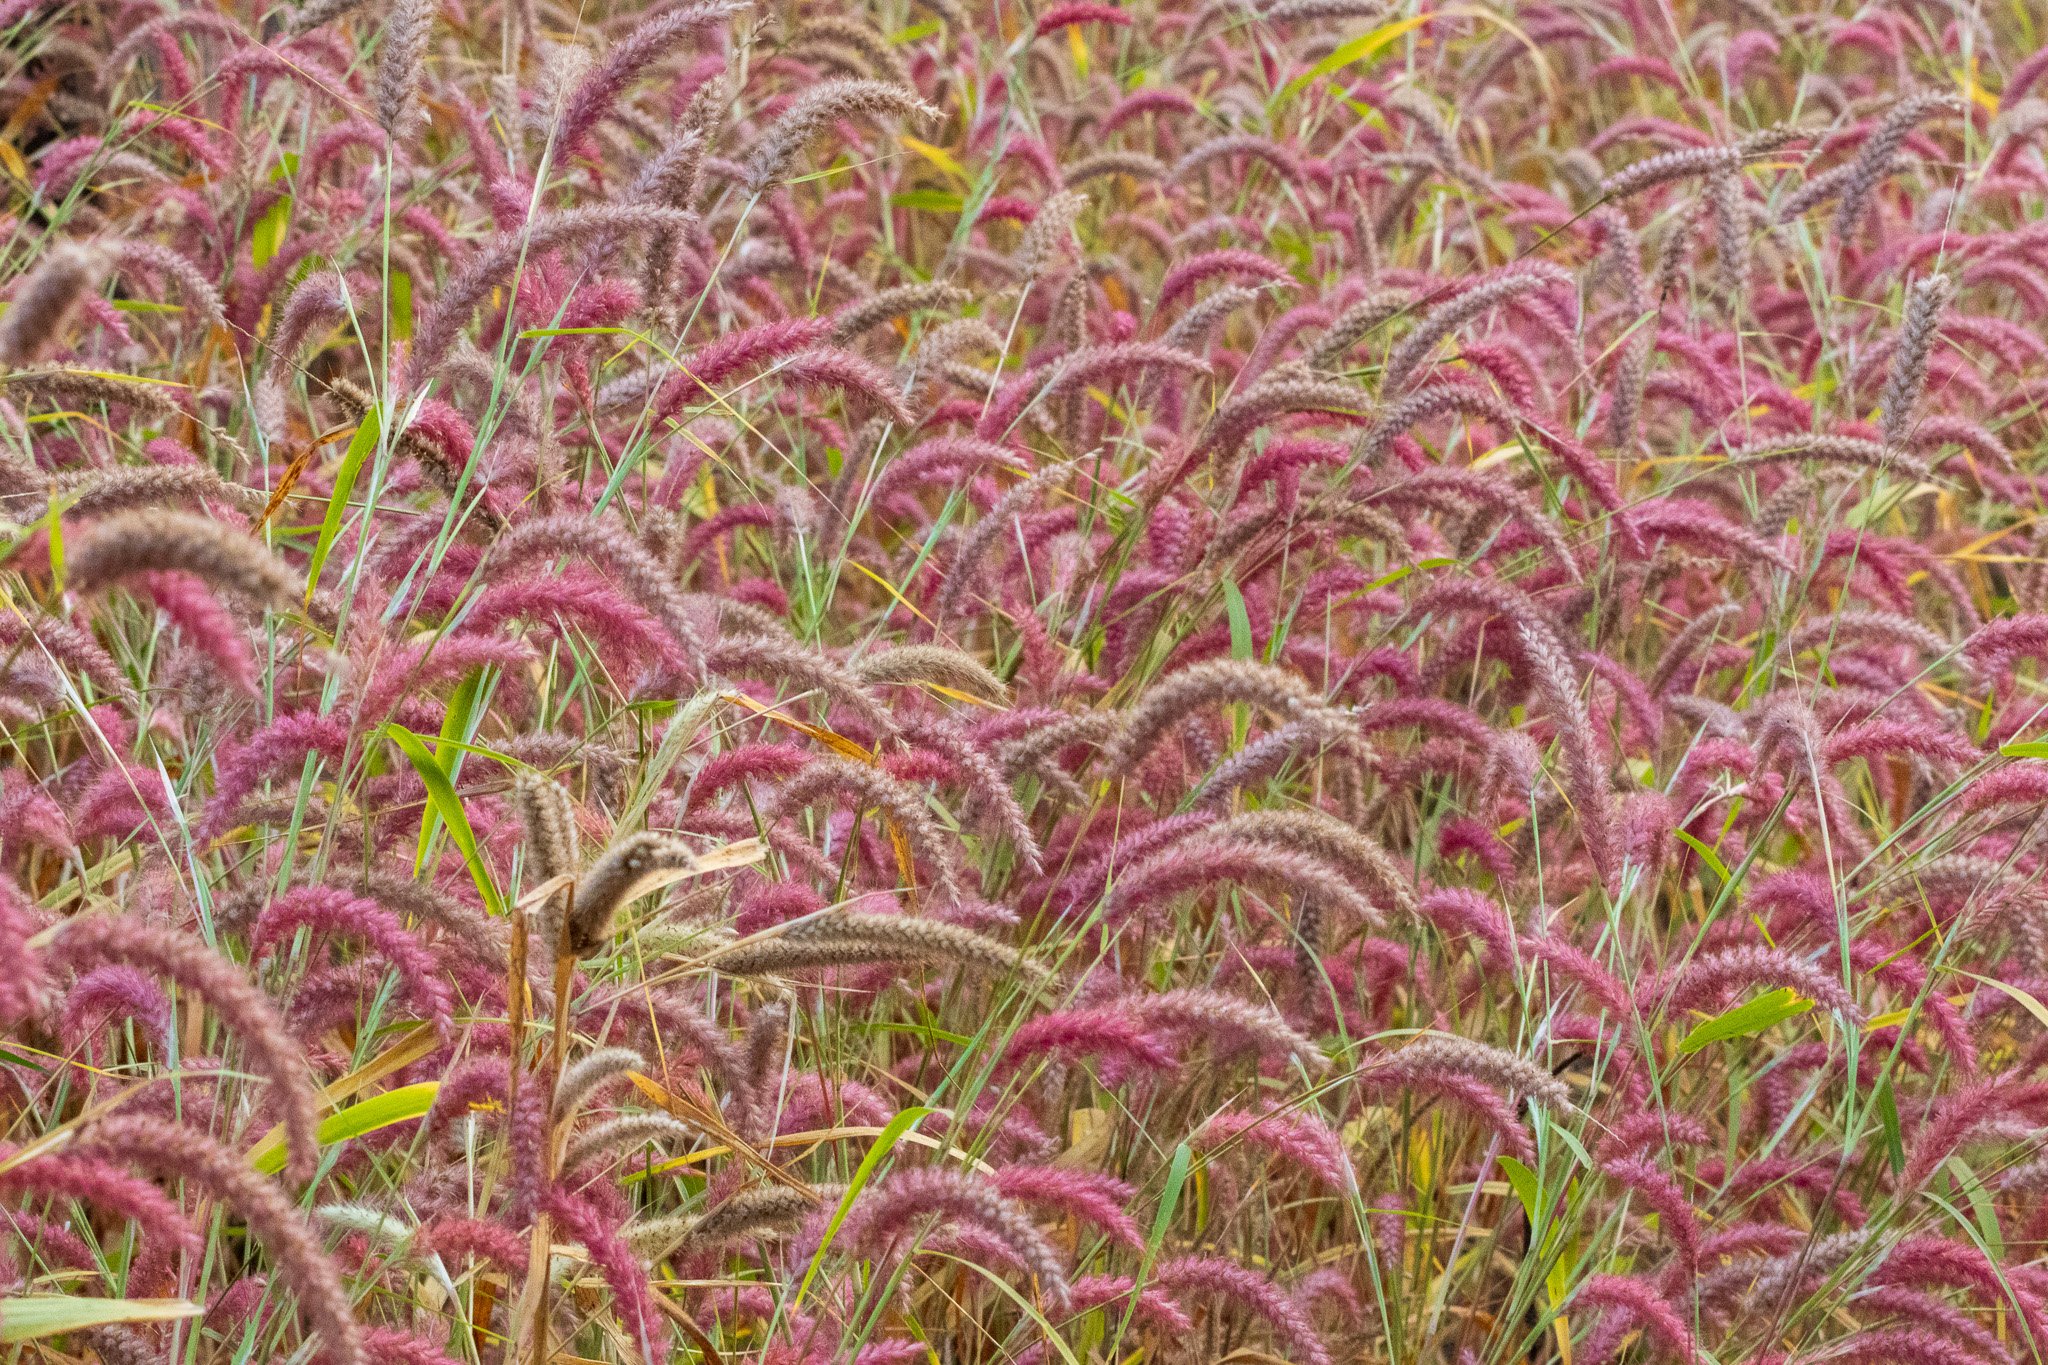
{"type": "Point", "coordinates": [1261, 682]}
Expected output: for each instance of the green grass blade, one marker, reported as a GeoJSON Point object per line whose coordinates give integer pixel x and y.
{"type": "Point", "coordinates": [359, 447]}
{"type": "Point", "coordinates": [892, 1133]}
{"type": "Point", "coordinates": [50, 1315]}
{"type": "Point", "coordinates": [443, 802]}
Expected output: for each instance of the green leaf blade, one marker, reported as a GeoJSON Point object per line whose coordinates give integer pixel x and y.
{"type": "Point", "coordinates": [1357, 50]}
{"type": "Point", "coordinates": [443, 802]}
{"type": "Point", "coordinates": [379, 1111]}
{"type": "Point", "coordinates": [1240, 621]}
{"type": "Point", "coordinates": [892, 1133]}
{"type": "Point", "coordinates": [1752, 1016]}
{"type": "Point", "coordinates": [48, 1315]}
{"type": "Point", "coordinates": [359, 447]}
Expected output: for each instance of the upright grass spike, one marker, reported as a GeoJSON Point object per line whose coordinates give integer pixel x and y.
{"type": "Point", "coordinates": [618, 876]}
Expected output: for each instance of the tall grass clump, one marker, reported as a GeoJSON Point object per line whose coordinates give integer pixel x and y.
{"type": "Point", "coordinates": [1207, 681]}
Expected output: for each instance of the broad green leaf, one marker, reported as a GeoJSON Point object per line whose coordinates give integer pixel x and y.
{"type": "Point", "coordinates": [1528, 1189]}
{"type": "Point", "coordinates": [891, 1135]}
{"type": "Point", "coordinates": [1240, 621]}
{"type": "Point", "coordinates": [49, 1315]}
{"type": "Point", "coordinates": [379, 1111]}
{"type": "Point", "coordinates": [359, 447]}
{"type": "Point", "coordinates": [1526, 1186]}
{"type": "Point", "coordinates": [401, 305]}
{"type": "Point", "coordinates": [480, 750]}
{"type": "Point", "coordinates": [1707, 856]}
{"type": "Point", "coordinates": [1887, 1107]}
{"type": "Point", "coordinates": [2025, 748]}
{"type": "Point", "coordinates": [120, 377]}
{"type": "Point", "coordinates": [930, 201]}
{"type": "Point", "coordinates": [446, 804]}
{"type": "Point", "coordinates": [1300, 251]}
{"type": "Point", "coordinates": [938, 156]}
{"type": "Point", "coordinates": [1169, 1200]}
{"type": "Point", "coordinates": [1881, 503]}
{"type": "Point", "coordinates": [53, 522]}
{"type": "Point", "coordinates": [1570, 1141]}
{"type": "Point", "coordinates": [1357, 50]}
{"type": "Point", "coordinates": [1980, 1205]}
{"type": "Point", "coordinates": [268, 237]}
{"type": "Point", "coordinates": [1752, 1016]}
{"type": "Point", "coordinates": [455, 720]}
